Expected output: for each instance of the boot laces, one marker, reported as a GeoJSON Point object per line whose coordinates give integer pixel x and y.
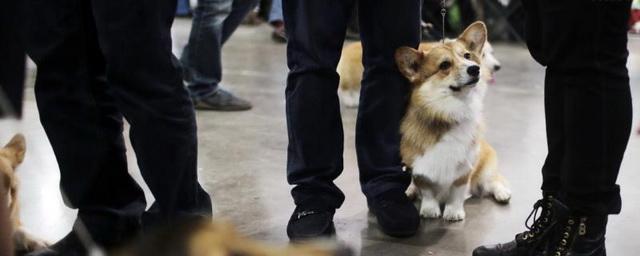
{"type": "Point", "coordinates": [539, 218]}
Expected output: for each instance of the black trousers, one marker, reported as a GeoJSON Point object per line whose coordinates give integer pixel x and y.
{"type": "Point", "coordinates": [316, 31]}
{"type": "Point", "coordinates": [12, 58]}
{"type": "Point", "coordinates": [583, 45]}
{"type": "Point", "coordinates": [99, 61]}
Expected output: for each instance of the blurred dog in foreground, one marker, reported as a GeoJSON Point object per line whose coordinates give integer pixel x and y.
{"type": "Point", "coordinates": [218, 238]}
{"type": "Point", "coordinates": [11, 156]}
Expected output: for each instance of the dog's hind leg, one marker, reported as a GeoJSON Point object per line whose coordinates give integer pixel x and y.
{"type": "Point", "coordinates": [487, 180]}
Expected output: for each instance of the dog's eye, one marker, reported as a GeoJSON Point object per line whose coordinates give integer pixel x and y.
{"type": "Point", "coordinates": [467, 55]}
{"type": "Point", "coordinates": [445, 65]}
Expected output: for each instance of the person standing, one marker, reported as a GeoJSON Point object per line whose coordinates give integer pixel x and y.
{"type": "Point", "coordinates": [214, 21]}
{"type": "Point", "coordinates": [316, 32]}
{"type": "Point", "coordinates": [588, 119]}
{"type": "Point", "coordinates": [99, 62]}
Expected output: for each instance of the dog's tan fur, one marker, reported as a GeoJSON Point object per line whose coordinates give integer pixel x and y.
{"type": "Point", "coordinates": [218, 238]}
{"type": "Point", "coordinates": [11, 156]}
{"type": "Point", "coordinates": [425, 122]}
{"type": "Point", "coordinates": [350, 70]}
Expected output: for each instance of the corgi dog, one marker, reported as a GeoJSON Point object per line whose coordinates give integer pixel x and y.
{"type": "Point", "coordinates": [11, 156]}
{"type": "Point", "coordinates": [442, 141]}
{"type": "Point", "coordinates": [350, 70]}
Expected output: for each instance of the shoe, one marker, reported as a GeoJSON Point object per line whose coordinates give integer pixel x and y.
{"type": "Point", "coordinates": [579, 235]}
{"type": "Point", "coordinates": [221, 100]}
{"type": "Point", "coordinates": [396, 214]}
{"type": "Point", "coordinates": [279, 35]}
{"type": "Point", "coordinates": [352, 34]}
{"type": "Point", "coordinates": [532, 242]}
{"type": "Point", "coordinates": [70, 245]}
{"type": "Point", "coordinates": [307, 223]}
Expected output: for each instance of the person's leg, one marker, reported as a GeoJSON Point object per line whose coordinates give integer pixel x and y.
{"type": "Point", "coordinates": [597, 107]}
{"type": "Point", "coordinates": [384, 92]}
{"type": "Point", "coordinates": [277, 21]}
{"type": "Point", "coordinates": [384, 27]}
{"type": "Point", "coordinates": [201, 57]}
{"type": "Point", "coordinates": [275, 14]}
{"type": "Point", "coordinates": [81, 120]}
{"type": "Point", "coordinates": [316, 31]}
{"type": "Point", "coordinates": [184, 8]}
{"type": "Point", "coordinates": [145, 79]}
{"type": "Point", "coordinates": [239, 10]}
{"type": "Point", "coordinates": [12, 56]}
{"type": "Point", "coordinates": [587, 81]}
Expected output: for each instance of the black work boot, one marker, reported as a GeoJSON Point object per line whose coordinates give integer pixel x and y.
{"type": "Point", "coordinates": [309, 223]}
{"type": "Point", "coordinates": [396, 214]}
{"type": "Point", "coordinates": [532, 242]}
{"type": "Point", "coordinates": [578, 235]}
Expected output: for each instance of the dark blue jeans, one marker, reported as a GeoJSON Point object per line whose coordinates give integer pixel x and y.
{"type": "Point", "coordinates": [98, 62]}
{"type": "Point", "coordinates": [214, 21]}
{"type": "Point", "coordinates": [587, 97]}
{"type": "Point", "coordinates": [316, 31]}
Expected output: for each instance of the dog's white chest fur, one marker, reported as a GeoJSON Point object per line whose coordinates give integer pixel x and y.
{"type": "Point", "coordinates": [453, 156]}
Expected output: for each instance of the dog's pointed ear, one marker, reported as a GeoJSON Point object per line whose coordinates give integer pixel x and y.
{"type": "Point", "coordinates": [474, 36]}
{"type": "Point", "coordinates": [409, 62]}
{"type": "Point", "coordinates": [16, 149]}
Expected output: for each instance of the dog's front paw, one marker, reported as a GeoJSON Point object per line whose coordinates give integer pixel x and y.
{"type": "Point", "coordinates": [430, 210]}
{"type": "Point", "coordinates": [502, 194]}
{"type": "Point", "coordinates": [24, 242]}
{"type": "Point", "coordinates": [453, 213]}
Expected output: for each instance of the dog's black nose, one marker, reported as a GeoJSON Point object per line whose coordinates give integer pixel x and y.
{"type": "Point", "coordinates": [473, 70]}
{"type": "Point", "coordinates": [496, 67]}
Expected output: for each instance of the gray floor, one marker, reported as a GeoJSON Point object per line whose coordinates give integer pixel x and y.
{"type": "Point", "coordinates": [242, 159]}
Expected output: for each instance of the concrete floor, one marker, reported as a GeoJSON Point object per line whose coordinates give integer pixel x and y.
{"type": "Point", "coordinates": [242, 159]}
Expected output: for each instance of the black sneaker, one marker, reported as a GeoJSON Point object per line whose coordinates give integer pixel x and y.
{"type": "Point", "coordinates": [70, 245]}
{"type": "Point", "coordinates": [220, 100]}
{"type": "Point", "coordinates": [532, 242]}
{"type": "Point", "coordinates": [396, 214]}
{"type": "Point", "coordinates": [310, 223]}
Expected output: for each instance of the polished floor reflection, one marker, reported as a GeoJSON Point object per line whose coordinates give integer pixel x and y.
{"type": "Point", "coordinates": [242, 159]}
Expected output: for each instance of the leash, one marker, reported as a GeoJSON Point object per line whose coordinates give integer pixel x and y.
{"type": "Point", "coordinates": [443, 11]}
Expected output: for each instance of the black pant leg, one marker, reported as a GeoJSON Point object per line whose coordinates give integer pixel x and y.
{"type": "Point", "coordinates": [12, 57]}
{"type": "Point", "coordinates": [145, 80]}
{"type": "Point", "coordinates": [81, 119]}
{"type": "Point", "coordinates": [315, 32]}
{"type": "Point", "coordinates": [589, 66]}
{"type": "Point", "coordinates": [554, 119]}
{"type": "Point", "coordinates": [384, 27]}
{"type": "Point", "coordinates": [598, 107]}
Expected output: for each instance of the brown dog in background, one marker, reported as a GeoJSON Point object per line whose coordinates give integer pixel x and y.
{"type": "Point", "coordinates": [11, 156]}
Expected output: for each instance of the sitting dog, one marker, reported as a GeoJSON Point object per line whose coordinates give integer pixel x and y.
{"type": "Point", "coordinates": [11, 156]}
{"type": "Point", "coordinates": [350, 70]}
{"type": "Point", "coordinates": [442, 131]}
